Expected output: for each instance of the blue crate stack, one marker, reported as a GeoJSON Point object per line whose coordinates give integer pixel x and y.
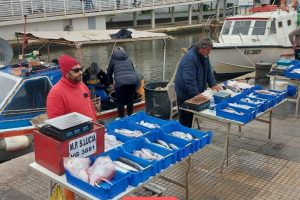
{"type": "Point", "coordinates": [150, 168]}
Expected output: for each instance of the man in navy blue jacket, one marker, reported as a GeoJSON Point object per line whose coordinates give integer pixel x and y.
{"type": "Point", "coordinates": [193, 74]}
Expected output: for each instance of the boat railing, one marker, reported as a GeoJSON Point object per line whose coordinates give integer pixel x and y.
{"type": "Point", "coordinates": [13, 10]}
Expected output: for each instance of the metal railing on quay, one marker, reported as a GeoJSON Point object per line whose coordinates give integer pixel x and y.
{"type": "Point", "coordinates": [11, 10]}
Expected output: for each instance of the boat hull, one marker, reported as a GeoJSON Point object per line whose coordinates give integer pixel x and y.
{"type": "Point", "coordinates": [230, 60]}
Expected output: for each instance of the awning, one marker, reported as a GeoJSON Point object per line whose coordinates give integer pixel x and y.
{"type": "Point", "coordinates": [79, 38]}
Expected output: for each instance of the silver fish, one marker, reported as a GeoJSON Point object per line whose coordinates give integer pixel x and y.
{"type": "Point", "coordinates": [129, 133]}
{"type": "Point", "coordinates": [163, 143]}
{"type": "Point", "coordinates": [173, 146]}
{"type": "Point", "coordinates": [131, 163]}
{"type": "Point", "coordinates": [124, 167]}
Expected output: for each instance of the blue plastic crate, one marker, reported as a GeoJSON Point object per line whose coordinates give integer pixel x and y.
{"type": "Point", "coordinates": [135, 178]}
{"type": "Point", "coordinates": [137, 117]}
{"type": "Point", "coordinates": [220, 96]}
{"type": "Point", "coordinates": [200, 138]}
{"type": "Point", "coordinates": [185, 147]}
{"type": "Point", "coordinates": [247, 116]}
{"type": "Point", "coordinates": [123, 123]}
{"type": "Point", "coordinates": [105, 191]}
{"type": "Point", "coordinates": [284, 62]}
{"type": "Point", "coordinates": [292, 90]}
{"type": "Point", "coordinates": [288, 73]}
{"type": "Point", "coordinates": [260, 103]}
{"type": "Point", "coordinates": [158, 165]}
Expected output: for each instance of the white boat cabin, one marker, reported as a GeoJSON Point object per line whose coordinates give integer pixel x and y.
{"type": "Point", "coordinates": [262, 28]}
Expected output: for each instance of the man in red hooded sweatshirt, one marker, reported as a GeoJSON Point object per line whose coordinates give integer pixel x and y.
{"type": "Point", "coordinates": [70, 95]}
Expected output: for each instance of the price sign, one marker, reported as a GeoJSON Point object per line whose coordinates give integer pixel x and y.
{"type": "Point", "coordinates": [83, 146]}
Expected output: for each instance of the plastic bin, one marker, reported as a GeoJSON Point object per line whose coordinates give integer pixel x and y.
{"type": "Point", "coordinates": [200, 139]}
{"type": "Point", "coordinates": [137, 117]}
{"type": "Point", "coordinates": [105, 191]}
{"type": "Point", "coordinates": [157, 101]}
{"type": "Point", "coordinates": [157, 165]}
{"type": "Point", "coordinates": [123, 123]}
{"type": "Point", "coordinates": [292, 90]}
{"type": "Point", "coordinates": [185, 147]}
{"type": "Point", "coordinates": [288, 73]}
{"type": "Point", "coordinates": [134, 178]}
{"type": "Point", "coordinates": [247, 116]}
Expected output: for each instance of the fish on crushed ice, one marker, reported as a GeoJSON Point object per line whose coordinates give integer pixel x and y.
{"type": "Point", "coordinates": [129, 133]}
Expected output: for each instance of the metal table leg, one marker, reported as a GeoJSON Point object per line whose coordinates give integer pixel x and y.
{"type": "Point", "coordinates": [270, 124]}
{"type": "Point", "coordinates": [187, 189]}
{"type": "Point", "coordinates": [226, 145]}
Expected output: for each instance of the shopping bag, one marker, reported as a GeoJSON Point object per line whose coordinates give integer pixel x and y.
{"type": "Point", "coordinates": [56, 194]}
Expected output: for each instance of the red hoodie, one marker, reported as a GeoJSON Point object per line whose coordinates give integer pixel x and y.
{"type": "Point", "coordinates": [66, 97]}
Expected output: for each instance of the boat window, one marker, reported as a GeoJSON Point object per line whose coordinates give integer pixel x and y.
{"type": "Point", "coordinates": [9, 86]}
{"type": "Point", "coordinates": [273, 27]}
{"type": "Point", "coordinates": [289, 22]}
{"type": "Point", "coordinates": [226, 27]}
{"type": "Point", "coordinates": [279, 24]}
{"type": "Point", "coordinates": [31, 95]}
{"type": "Point", "coordinates": [259, 28]}
{"type": "Point", "coordinates": [241, 27]}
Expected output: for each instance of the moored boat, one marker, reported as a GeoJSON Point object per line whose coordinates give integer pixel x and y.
{"type": "Point", "coordinates": [26, 87]}
{"type": "Point", "coordinates": [261, 36]}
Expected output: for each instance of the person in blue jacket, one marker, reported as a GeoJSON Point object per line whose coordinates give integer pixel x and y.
{"type": "Point", "coordinates": [193, 74]}
{"type": "Point", "coordinates": [121, 71]}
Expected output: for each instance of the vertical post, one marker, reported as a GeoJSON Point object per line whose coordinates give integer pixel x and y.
{"type": "Point", "coordinates": [224, 9]}
{"type": "Point", "coordinates": [164, 64]}
{"type": "Point", "coordinates": [50, 6]}
{"type": "Point", "coordinates": [190, 7]}
{"type": "Point", "coordinates": [48, 50]}
{"type": "Point", "coordinates": [22, 8]}
{"type": "Point", "coordinates": [173, 15]}
{"type": "Point", "coordinates": [200, 14]}
{"type": "Point", "coordinates": [12, 7]}
{"type": "Point", "coordinates": [218, 10]}
{"type": "Point", "coordinates": [134, 19]}
{"type": "Point", "coordinates": [100, 6]}
{"type": "Point", "coordinates": [31, 4]}
{"type": "Point", "coordinates": [44, 7]}
{"type": "Point", "coordinates": [152, 19]}
{"type": "Point", "coordinates": [65, 8]}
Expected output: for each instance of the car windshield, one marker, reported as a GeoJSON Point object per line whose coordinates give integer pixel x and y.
{"type": "Point", "coordinates": [7, 84]}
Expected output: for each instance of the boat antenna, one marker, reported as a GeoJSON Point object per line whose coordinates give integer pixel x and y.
{"type": "Point", "coordinates": [24, 39]}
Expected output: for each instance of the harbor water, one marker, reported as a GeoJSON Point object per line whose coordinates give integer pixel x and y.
{"type": "Point", "coordinates": [147, 56]}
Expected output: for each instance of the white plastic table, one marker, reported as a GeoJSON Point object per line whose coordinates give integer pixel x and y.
{"type": "Point", "coordinates": [210, 115]}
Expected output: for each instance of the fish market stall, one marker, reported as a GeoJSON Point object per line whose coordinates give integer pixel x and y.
{"type": "Point", "coordinates": [246, 105]}
{"type": "Point", "coordinates": [146, 147]}
{"type": "Point", "coordinates": [288, 71]}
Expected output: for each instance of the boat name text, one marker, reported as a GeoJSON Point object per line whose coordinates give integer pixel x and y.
{"type": "Point", "coordinates": [252, 52]}
{"type": "Point", "coordinates": [83, 146]}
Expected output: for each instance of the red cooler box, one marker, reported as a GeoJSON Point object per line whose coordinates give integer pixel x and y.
{"type": "Point", "coordinates": [49, 152]}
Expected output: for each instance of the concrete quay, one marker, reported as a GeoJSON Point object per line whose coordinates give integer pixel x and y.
{"type": "Point", "coordinates": [259, 168]}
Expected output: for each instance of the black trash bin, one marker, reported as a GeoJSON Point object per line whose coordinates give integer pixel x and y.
{"type": "Point", "coordinates": [157, 102]}
{"type": "Point", "coordinates": [261, 71]}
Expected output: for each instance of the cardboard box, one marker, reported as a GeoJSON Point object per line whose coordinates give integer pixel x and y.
{"type": "Point", "coordinates": [49, 152]}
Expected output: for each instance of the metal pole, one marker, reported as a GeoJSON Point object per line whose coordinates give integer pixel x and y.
{"type": "Point", "coordinates": [12, 7]}
{"type": "Point", "coordinates": [45, 13]}
{"type": "Point", "coordinates": [22, 11]}
{"type": "Point", "coordinates": [164, 65]}
{"type": "Point", "coordinates": [24, 39]}
{"type": "Point", "coordinates": [65, 8]}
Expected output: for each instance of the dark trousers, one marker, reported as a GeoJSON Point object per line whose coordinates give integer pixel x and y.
{"type": "Point", "coordinates": [297, 54]}
{"type": "Point", "coordinates": [125, 95]}
{"type": "Point", "coordinates": [185, 118]}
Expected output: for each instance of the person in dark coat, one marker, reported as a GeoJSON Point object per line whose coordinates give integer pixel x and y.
{"type": "Point", "coordinates": [121, 70]}
{"type": "Point", "coordinates": [193, 74]}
